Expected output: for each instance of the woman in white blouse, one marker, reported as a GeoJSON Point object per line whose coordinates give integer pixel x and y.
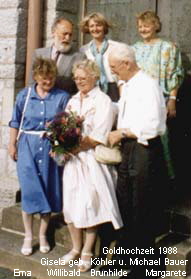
{"type": "Point", "coordinates": [98, 50]}
{"type": "Point", "coordinates": [89, 186]}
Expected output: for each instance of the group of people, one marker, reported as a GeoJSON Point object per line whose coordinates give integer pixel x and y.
{"type": "Point", "coordinates": [125, 94]}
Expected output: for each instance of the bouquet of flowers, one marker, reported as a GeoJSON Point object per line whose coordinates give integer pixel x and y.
{"type": "Point", "coordinates": [64, 133]}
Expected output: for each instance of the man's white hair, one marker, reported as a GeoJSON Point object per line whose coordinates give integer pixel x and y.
{"type": "Point", "coordinates": [123, 52]}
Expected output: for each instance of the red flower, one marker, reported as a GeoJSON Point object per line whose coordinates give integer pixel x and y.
{"type": "Point", "coordinates": [65, 132]}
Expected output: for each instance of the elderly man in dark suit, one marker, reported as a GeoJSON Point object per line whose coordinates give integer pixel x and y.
{"type": "Point", "coordinates": [62, 52]}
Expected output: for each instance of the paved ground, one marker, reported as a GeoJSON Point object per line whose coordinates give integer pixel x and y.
{"type": "Point", "coordinates": [7, 194]}
{"type": "Point", "coordinates": [8, 189]}
{"type": "Point", "coordinates": [6, 273]}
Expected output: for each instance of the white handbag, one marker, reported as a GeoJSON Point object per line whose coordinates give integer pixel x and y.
{"type": "Point", "coordinates": [108, 155]}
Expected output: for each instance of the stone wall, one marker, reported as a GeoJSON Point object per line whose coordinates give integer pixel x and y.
{"type": "Point", "coordinates": [176, 27]}
{"type": "Point", "coordinates": [13, 17]}
{"type": "Point", "coordinates": [55, 8]}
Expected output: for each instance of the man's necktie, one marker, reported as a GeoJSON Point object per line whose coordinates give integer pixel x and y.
{"type": "Point", "coordinates": [56, 56]}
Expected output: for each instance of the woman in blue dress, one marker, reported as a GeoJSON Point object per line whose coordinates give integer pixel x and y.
{"type": "Point", "coordinates": [37, 172]}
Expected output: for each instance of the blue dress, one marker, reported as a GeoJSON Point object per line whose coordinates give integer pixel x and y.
{"type": "Point", "coordinates": [39, 176]}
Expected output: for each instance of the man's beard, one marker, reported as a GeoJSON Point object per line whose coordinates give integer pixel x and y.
{"type": "Point", "coordinates": [64, 48]}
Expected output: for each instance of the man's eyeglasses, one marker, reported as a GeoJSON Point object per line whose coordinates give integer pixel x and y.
{"type": "Point", "coordinates": [113, 67]}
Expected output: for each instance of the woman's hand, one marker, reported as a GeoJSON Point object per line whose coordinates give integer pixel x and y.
{"type": "Point", "coordinates": [52, 154]}
{"type": "Point", "coordinates": [66, 157]}
{"type": "Point", "coordinates": [12, 147]}
{"type": "Point", "coordinates": [76, 151]}
{"type": "Point", "coordinates": [12, 150]}
{"type": "Point", "coordinates": [171, 108]}
{"type": "Point", "coordinates": [171, 103]}
{"type": "Point", "coordinates": [87, 143]}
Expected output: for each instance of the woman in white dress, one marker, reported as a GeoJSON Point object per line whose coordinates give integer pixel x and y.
{"type": "Point", "coordinates": [89, 186]}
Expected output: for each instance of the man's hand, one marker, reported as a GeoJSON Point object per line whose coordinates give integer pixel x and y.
{"type": "Point", "coordinates": [115, 137]}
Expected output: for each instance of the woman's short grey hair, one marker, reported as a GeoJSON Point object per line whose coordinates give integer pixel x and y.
{"type": "Point", "coordinates": [88, 66]}
{"type": "Point", "coordinates": [123, 53]}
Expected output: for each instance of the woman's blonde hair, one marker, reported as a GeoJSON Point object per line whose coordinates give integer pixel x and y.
{"type": "Point", "coordinates": [44, 67]}
{"type": "Point", "coordinates": [89, 66]}
{"type": "Point", "coordinates": [98, 17]}
{"type": "Point", "coordinates": [150, 17]}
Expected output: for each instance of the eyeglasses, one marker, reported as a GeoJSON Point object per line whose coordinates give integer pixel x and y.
{"type": "Point", "coordinates": [116, 65]}
{"type": "Point", "coordinates": [80, 78]}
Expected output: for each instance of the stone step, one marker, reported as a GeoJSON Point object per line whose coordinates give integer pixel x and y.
{"type": "Point", "coordinates": [176, 248]}
{"type": "Point", "coordinates": [57, 231]}
{"type": "Point", "coordinates": [180, 216]}
{"type": "Point", "coordinates": [12, 220]}
{"type": "Point", "coordinates": [6, 273]}
{"type": "Point", "coordinates": [35, 264]}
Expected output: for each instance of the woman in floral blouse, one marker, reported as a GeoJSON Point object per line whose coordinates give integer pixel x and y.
{"type": "Point", "coordinates": [162, 60]}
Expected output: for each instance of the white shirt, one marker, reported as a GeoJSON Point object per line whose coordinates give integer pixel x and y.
{"type": "Point", "coordinates": [142, 108]}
